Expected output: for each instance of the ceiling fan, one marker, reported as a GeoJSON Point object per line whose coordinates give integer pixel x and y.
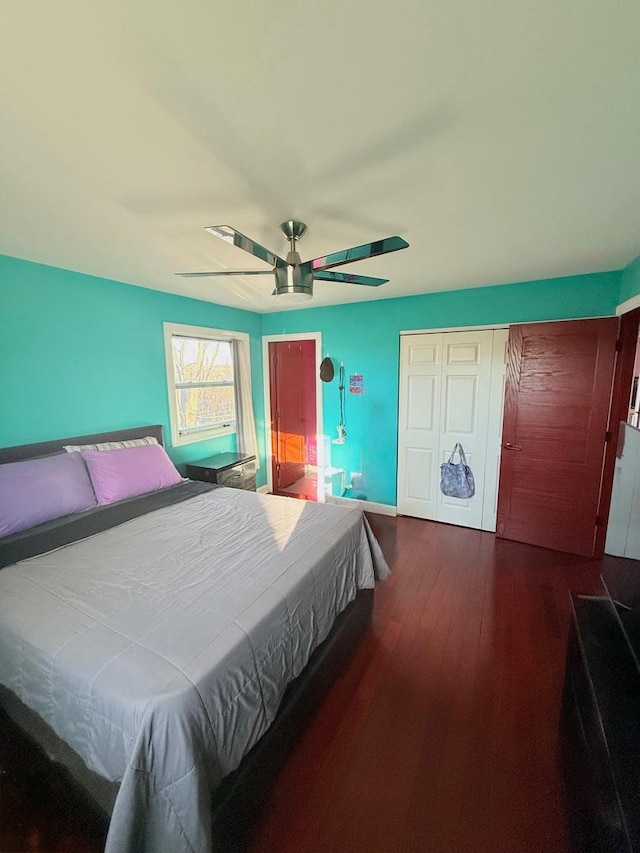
{"type": "Point", "coordinates": [293, 277]}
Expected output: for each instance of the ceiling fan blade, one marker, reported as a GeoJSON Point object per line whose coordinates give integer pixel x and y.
{"type": "Point", "coordinates": [359, 253]}
{"type": "Point", "coordinates": [230, 235]}
{"type": "Point", "coordinates": [223, 272]}
{"type": "Point", "coordinates": [349, 278]}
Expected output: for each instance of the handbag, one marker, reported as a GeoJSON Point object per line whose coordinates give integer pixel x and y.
{"type": "Point", "coordinates": [456, 478]}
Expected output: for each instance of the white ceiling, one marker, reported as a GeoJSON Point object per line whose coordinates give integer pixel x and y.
{"type": "Point", "coordinates": [501, 138]}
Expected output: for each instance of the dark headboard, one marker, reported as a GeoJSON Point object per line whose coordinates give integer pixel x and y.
{"type": "Point", "coordinates": [45, 448]}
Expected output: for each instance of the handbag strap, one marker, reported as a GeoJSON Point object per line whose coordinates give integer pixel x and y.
{"type": "Point", "coordinates": [460, 451]}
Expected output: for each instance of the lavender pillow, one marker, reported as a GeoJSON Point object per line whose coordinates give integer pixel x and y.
{"type": "Point", "coordinates": [40, 489]}
{"type": "Point", "coordinates": [120, 474]}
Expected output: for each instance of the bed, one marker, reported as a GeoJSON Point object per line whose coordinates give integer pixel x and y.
{"type": "Point", "coordinates": [166, 649]}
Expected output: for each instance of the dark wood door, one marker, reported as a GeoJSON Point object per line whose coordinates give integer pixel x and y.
{"type": "Point", "coordinates": [557, 397]}
{"type": "Point", "coordinates": [293, 410]}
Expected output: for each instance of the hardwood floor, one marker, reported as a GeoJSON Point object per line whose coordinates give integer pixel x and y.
{"type": "Point", "coordinates": [440, 735]}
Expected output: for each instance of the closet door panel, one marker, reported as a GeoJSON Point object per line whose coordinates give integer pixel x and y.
{"type": "Point", "coordinates": [451, 390]}
{"type": "Point", "coordinates": [466, 386]}
{"type": "Point", "coordinates": [419, 424]}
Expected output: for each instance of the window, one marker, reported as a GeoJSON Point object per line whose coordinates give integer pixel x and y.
{"type": "Point", "coordinates": [203, 379]}
{"type": "Point", "coordinates": [202, 382]}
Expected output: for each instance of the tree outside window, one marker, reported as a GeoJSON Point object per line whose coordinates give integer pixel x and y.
{"type": "Point", "coordinates": [204, 381]}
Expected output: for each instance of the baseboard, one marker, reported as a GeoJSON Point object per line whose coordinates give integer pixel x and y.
{"type": "Point", "coordinates": [367, 506]}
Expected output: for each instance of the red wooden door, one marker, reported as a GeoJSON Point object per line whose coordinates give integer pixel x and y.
{"type": "Point", "coordinates": [293, 410]}
{"type": "Point", "coordinates": [557, 396]}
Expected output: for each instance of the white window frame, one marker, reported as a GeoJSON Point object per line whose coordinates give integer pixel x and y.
{"type": "Point", "coordinates": [202, 333]}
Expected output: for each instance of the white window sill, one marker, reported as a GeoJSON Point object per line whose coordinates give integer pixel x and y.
{"type": "Point", "coordinates": [205, 435]}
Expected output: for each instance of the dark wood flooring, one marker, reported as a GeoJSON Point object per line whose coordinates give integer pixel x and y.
{"type": "Point", "coordinates": [440, 736]}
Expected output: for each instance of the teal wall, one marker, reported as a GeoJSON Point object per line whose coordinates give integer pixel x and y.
{"type": "Point", "coordinates": [79, 354]}
{"type": "Point", "coordinates": [365, 336]}
{"type": "Point", "coordinates": [630, 285]}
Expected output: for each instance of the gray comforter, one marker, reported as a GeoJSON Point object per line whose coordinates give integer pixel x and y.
{"type": "Point", "coordinates": [160, 649]}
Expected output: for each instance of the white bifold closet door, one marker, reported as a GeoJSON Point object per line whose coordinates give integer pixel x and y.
{"type": "Point", "coordinates": [451, 389]}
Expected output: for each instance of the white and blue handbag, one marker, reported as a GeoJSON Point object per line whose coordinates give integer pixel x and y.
{"type": "Point", "coordinates": [456, 478]}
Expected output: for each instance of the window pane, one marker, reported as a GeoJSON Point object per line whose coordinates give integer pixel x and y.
{"type": "Point", "coordinates": [201, 360]}
{"type": "Point", "coordinates": [205, 407]}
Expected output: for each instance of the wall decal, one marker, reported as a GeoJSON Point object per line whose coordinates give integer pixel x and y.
{"type": "Point", "coordinates": [356, 383]}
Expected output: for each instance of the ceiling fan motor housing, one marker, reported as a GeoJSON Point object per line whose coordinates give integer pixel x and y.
{"type": "Point", "coordinates": [294, 279]}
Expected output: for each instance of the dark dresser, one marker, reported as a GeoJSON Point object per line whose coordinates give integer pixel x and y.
{"type": "Point", "coordinates": [235, 470]}
{"type": "Point", "coordinates": [600, 723]}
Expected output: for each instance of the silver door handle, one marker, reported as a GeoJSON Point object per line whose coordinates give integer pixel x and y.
{"type": "Point", "coordinates": [509, 446]}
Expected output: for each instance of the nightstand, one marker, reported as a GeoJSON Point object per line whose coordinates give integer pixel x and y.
{"type": "Point", "coordinates": [234, 470]}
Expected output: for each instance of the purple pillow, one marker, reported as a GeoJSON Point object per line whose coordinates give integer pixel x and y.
{"type": "Point", "coordinates": [40, 489]}
{"type": "Point", "coordinates": [120, 474]}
